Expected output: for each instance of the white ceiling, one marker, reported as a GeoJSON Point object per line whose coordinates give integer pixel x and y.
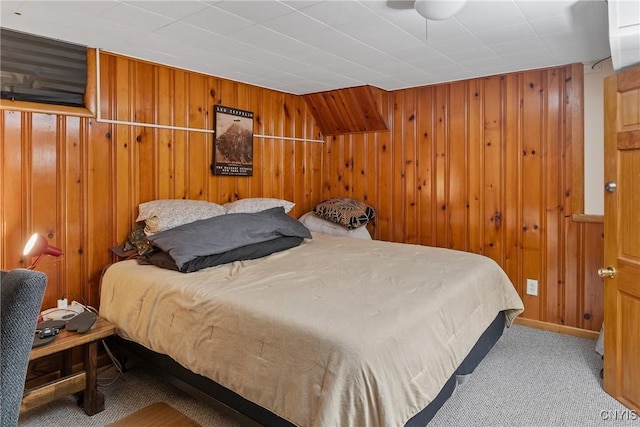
{"type": "Point", "coordinates": [311, 46]}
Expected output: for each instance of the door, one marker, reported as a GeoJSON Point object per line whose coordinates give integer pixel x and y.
{"type": "Point", "coordinates": [622, 238]}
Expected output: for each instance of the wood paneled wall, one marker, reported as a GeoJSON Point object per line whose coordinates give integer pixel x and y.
{"type": "Point", "coordinates": [484, 165]}
{"type": "Point", "coordinates": [79, 181]}
{"type": "Point", "coordinates": [350, 110]}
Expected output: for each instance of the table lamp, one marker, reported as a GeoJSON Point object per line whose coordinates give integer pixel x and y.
{"type": "Point", "coordinates": [38, 246]}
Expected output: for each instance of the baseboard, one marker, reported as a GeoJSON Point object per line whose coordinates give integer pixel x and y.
{"type": "Point", "coordinates": [553, 327]}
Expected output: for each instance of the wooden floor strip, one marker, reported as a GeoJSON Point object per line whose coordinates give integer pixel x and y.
{"type": "Point", "coordinates": [157, 414]}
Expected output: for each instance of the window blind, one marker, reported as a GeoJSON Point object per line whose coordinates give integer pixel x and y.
{"type": "Point", "coordinates": [38, 69]}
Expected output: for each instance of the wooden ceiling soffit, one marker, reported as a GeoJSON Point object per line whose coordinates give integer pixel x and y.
{"type": "Point", "coordinates": [350, 110]}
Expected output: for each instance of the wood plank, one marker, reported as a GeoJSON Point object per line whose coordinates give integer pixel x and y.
{"type": "Point", "coordinates": [593, 294]}
{"type": "Point", "coordinates": [53, 391]}
{"type": "Point", "coordinates": [12, 190]}
{"type": "Point", "coordinates": [553, 152]}
{"type": "Point", "coordinates": [492, 166]}
{"type": "Point", "coordinates": [36, 107]}
{"type": "Point", "coordinates": [124, 151]}
{"type": "Point", "coordinates": [426, 167]}
{"type": "Point", "coordinates": [197, 153]}
{"type": "Point", "coordinates": [349, 110]}
{"type": "Point", "coordinates": [513, 186]}
{"type": "Point", "coordinates": [553, 327]}
{"type": "Point", "coordinates": [385, 187]}
{"type": "Point", "coordinates": [71, 202]}
{"type": "Point", "coordinates": [43, 196]}
{"type": "Point", "coordinates": [67, 340]}
{"type": "Point", "coordinates": [595, 219]}
{"type": "Point", "coordinates": [398, 170]}
{"type": "Point", "coordinates": [144, 147]}
{"type": "Point", "coordinates": [532, 200]}
{"type": "Point", "coordinates": [243, 102]}
{"type": "Point", "coordinates": [458, 167]}
{"type": "Point", "coordinates": [441, 163]}
{"type": "Point", "coordinates": [370, 178]}
{"type": "Point", "coordinates": [347, 166]}
{"type": "Point", "coordinates": [573, 266]}
{"type": "Point", "coordinates": [475, 165]}
{"type": "Point", "coordinates": [409, 173]}
{"type": "Point", "coordinates": [575, 91]}
{"type": "Point", "coordinates": [359, 168]}
{"type": "Point", "coordinates": [156, 414]}
{"type": "Point", "coordinates": [255, 182]}
{"type": "Point", "coordinates": [163, 156]}
{"type": "Point", "coordinates": [180, 147]}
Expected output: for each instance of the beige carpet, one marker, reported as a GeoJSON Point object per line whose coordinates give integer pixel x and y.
{"type": "Point", "coordinates": [129, 394]}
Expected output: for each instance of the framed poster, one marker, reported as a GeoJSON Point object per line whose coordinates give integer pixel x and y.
{"type": "Point", "coordinates": [232, 142]}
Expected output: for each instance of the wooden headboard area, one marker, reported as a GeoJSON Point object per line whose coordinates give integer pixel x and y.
{"type": "Point", "coordinates": [487, 165]}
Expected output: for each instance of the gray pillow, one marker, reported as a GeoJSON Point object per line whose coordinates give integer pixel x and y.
{"type": "Point", "coordinates": [255, 250]}
{"type": "Point", "coordinates": [226, 232]}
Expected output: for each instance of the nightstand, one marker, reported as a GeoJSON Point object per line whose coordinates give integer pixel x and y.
{"type": "Point", "coordinates": [85, 381]}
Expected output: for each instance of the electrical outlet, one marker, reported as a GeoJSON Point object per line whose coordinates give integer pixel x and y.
{"type": "Point", "coordinates": [532, 287]}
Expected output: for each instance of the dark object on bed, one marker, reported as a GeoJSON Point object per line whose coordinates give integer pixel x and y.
{"type": "Point", "coordinates": [203, 387]}
{"type": "Point", "coordinates": [257, 250]}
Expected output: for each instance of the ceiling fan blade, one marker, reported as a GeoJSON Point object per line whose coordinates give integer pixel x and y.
{"type": "Point", "coordinates": [400, 4]}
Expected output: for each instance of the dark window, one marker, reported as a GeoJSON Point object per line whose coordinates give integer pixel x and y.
{"type": "Point", "coordinates": [38, 69]}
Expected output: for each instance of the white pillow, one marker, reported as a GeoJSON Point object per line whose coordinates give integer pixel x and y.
{"type": "Point", "coordinates": [160, 215]}
{"type": "Point", "coordinates": [315, 223]}
{"type": "Point", "coordinates": [257, 204]}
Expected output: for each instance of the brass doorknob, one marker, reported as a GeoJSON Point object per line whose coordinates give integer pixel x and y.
{"type": "Point", "coordinates": [605, 272]}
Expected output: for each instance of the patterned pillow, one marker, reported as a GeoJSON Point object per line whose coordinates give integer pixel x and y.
{"type": "Point", "coordinates": [346, 212]}
{"type": "Point", "coordinates": [257, 204]}
{"type": "Point", "coordinates": [160, 215]}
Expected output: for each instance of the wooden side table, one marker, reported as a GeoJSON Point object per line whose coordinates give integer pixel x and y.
{"type": "Point", "coordinates": [85, 381]}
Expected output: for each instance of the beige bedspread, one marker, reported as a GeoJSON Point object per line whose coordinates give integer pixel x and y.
{"type": "Point", "coordinates": [335, 332]}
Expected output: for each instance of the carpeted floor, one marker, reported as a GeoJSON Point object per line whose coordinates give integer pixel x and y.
{"type": "Point", "coordinates": [530, 378]}
{"type": "Point", "coordinates": [535, 378]}
{"type": "Point", "coordinates": [129, 393]}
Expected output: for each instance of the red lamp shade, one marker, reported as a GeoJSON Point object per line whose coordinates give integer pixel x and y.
{"type": "Point", "coordinates": [39, 246]}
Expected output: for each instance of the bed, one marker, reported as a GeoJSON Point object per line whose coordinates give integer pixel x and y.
{"type": "Point", "coordinates": [332, 331]}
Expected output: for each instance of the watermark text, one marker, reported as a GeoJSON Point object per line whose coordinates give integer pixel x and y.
{"type": "Point", "coordinates": [619, 415]}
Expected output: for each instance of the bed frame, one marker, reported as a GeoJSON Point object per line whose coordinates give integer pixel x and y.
{"type": "Point", "coordinates": [249, 413]}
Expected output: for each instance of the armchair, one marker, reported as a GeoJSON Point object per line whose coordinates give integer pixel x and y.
{"type": "Point", "coordinates": [21, 297]}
